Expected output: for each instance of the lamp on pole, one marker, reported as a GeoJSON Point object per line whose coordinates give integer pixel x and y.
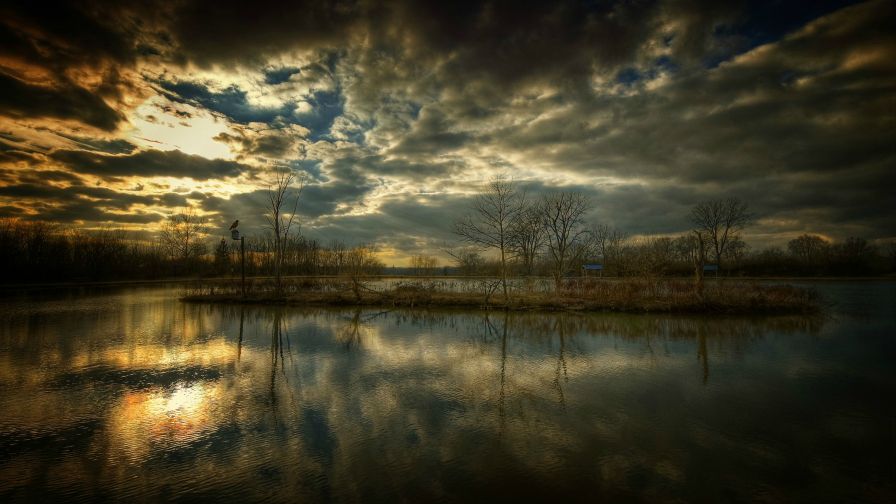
{"type": "Point", "coordinates": [235, 235]}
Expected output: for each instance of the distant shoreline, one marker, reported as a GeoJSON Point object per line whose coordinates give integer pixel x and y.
{"type": "Point", "coordinates": [161, 281]}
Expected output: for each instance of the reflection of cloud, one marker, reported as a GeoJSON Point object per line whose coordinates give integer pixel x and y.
{"type": "Point", "coordinates": [342, 397]}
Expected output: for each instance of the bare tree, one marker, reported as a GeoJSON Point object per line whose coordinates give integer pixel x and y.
{"type": "Point", "coordinates": [721, 221]}
{"type": "Point", "coordinates": [492, 222]}
{"type": "Point", "coordinates": [360, 263]}
{"type": "Point", "coordinates": [181, 236]}
{"type": "Point", "coordinates": [282, 203]}
{"type": "Point", "coordinates": [424, 265]}
{"type": "Point", "coordinates": [809, 249]}
{"type": "Point", "coordinates": [528, 237]}
{"type": "Point", "coordinates": [685, 247]}
{"type": "Point", "coordinates": [468, 260]}
{"type": "Point", "coordinates": [608, 242]}
{"type": "Point", "coordinates": [653, 256]}
{"type": "Point", "coordinates": [736, 250]}
{"type": "Point", "coordinates": [563, 215]}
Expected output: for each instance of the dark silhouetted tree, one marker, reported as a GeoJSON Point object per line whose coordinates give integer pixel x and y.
{"type": "Point", "coordinates": [492, 222]}
{"type": "Point", "coordinates": [721, 221]}
{"type": "Point", "coordinates": [562, 215]}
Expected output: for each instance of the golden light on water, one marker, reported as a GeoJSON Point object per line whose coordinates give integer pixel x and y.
{"type": "Point", "coordinates": [146, 420]}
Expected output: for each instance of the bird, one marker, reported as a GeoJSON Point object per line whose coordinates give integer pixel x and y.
{"type": "Point", "coordinates": [234, 225]}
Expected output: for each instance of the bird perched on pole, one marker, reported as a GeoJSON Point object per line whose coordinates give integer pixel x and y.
{"type": "Point", "coordinates": [234, 225]}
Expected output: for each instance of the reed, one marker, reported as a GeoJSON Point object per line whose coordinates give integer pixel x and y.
{"type": "Point", "coordinates": [626, 295]}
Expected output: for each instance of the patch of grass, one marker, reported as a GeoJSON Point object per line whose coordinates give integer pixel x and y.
{"type": "Point", "coordinates": [628, 295]}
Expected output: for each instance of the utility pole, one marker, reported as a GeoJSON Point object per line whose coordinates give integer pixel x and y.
{"type": "Point", "coordinates": [235, 235]}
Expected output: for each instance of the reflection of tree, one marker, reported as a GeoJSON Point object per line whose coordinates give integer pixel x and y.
{"type": "Point", "coordinates": [276, 348]}
{"type": "Point", "coordinates": [733, 331]}
{"type": "Point", "coordinates": [492, 330]}
{"type": "Point", "coordinates": [734, 334]}
{"type": "Point", "coordinates": [702, 355]}
{"type": "Point", "coordinates": [278, 359]}
{"type": "Point", "coordinates": [350, 333]}
{"type": "Point", "coordinates": [561, 362]}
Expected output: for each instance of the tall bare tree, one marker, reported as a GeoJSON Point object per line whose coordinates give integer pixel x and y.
{"type": "Point", "coordinates": [563, 216]}
{"type": "Point", "coordinates": [283, 193]}
{"type": "Point", "coordinates": [608, 243]}
{"type": "Point", "coordinates": [182, 234]}
{"type": "Point", "coordinates": [492, 222]}
{"type": "Point", "coordinates": [528, 237]}
{"type": "Point", "coordinates": [721, 221]}
{"type": "Point", "coordinates": [360, 263]}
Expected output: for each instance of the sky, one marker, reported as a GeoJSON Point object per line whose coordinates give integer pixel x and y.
{"type": "Point", "coordinates": [118, 114]}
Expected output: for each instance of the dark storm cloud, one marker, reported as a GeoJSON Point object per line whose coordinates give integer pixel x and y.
{"type": "Point", "coordinates": [18, 176]}
{"type": "Point", "coordinates": [324, 199]}
{"type": "Point", "coordinates": [353, 166]}
{"type": "Point", "coordinates": [113, 146]}
{"type": "Point", "coordinates": [61, 34]}
{"type": "Point", "coordinates": [410, 222]}
{"type": "Point", "coordinates": [89, 212]}
{"type": "Point", "coordinates": [11, 156]}
{"type": "Point", "coordinates": [270, 144]}
{"type": "Point", "coordinates": [240, 31]}
{"type": "Point", "coordinates": [50, 47]}
{"type": "Point", "coordinates": [315, 200]}
{"type": "Point", "coordinates": [431, 134]}
{"type": "Point", "coordinates": [105, 197]}
{"type": "Point", "coordinates": [80, 203]}
{"type": "Point", "coordinates": [660, 104]}
{"type": "Point", "coordinates": [9, 211]}
{"type": "Point", "coordinates": [69, 101]}
{"type": "Point", "coordinates": [276, 76]}
{"type": "Point", "coordinates": [347, 187]}
{"type": "Point", "coordinates": [148, 163]}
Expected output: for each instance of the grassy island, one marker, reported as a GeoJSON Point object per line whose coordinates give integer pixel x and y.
{"type": "Point", "coordinates": [607, 295]}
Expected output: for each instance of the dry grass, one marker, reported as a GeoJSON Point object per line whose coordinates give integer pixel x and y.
{"type": "Point", "coordinates": [629, 295]}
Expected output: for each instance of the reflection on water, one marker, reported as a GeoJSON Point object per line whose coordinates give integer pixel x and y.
{"type": "Point", "coordinates": [130, 394]}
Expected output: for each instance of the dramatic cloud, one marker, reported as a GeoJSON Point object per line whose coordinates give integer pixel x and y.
{"type": "Point", "coordinates": [21, 100]}
{"type": "Point", "coordinates": [397, 112]}
{"type": "Point", "coordinates": [147, 164]}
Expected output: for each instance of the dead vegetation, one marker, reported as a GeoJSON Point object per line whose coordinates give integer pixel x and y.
{"type": "Point", "coordinates": [616, 295]}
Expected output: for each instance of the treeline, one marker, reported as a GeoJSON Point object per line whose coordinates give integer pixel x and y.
{"type": "Point", "coordinates": [550, 235]}
{"type": "Point", "coordinates": [40, 252]}
{"type": "Point", "coordinates": [538, 242]}
{"type": "Point", "coordinates": [300, 256]}
{"type": "Point", "coordinates": [807, 255]}
{"type": "Point", "coordinates": [44, 252]}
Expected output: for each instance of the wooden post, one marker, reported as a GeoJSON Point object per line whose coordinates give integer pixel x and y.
{"type": "Point", "coordinates": [243, 263]}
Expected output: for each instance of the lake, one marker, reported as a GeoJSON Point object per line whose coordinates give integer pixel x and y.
{"type": "Point", "coordinates": [128, 394]}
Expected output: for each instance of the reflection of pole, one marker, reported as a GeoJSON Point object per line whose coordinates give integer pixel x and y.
{"type": "Point", "coordinates": [239, 345]}
{"type": "Point", "coordinates": [703, 356]}
{"type": "Point", "coordinates": [243, 263]}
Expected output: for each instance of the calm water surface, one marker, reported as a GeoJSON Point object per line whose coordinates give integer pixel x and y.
{"type": "Point", "coordinates": [128, 394]}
